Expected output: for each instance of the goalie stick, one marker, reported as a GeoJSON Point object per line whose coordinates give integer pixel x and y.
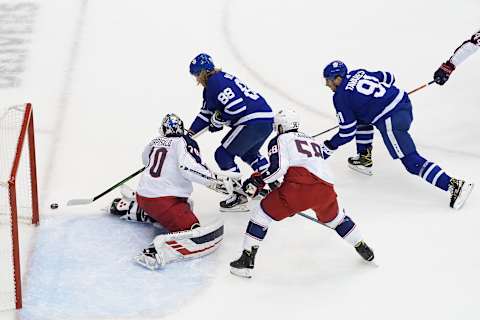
{"type": "Point", "coordinates": [75, 202]}
{"type": "Point", "coordinates": [226, 177]}
{"type": "Point", "coordinates": [413, 91]}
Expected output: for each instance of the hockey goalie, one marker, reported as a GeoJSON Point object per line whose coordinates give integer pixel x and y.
{"type": "Point", "coordinates": [172, 162]}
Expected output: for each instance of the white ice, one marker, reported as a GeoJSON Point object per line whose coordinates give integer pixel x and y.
{"type": "Point", "coordinates": [101, 74]}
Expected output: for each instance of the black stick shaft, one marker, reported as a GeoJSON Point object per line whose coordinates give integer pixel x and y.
{"type": "Point", "coordinates": [118, 184]}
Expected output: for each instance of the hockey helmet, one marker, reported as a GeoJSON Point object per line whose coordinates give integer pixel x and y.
{"type": "Point", "coordinates": [172, 126]}
{"type": "Point", "coordinates": [201, 62]}
{"type": "Point", "coordinates": [286, 120]}
{"type": "Point", "coordinates": [334, 69]}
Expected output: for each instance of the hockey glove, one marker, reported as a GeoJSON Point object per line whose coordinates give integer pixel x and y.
{"type": "Point", "coordinates": [216, 122]}
{"type": "Point", "coordinates": [327, 149]}
{"type": "Point", "coordinates": [253, 185]}
{"type": "Point", "coordinates": [220, 185]}
{"type": "Point", "coordinates": [443, 73]}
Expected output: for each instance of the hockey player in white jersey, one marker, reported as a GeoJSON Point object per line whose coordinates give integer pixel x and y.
{"type": "Point", "coordinates": [465, 50]}
{"type": "Point", "coordinates": [172, 161]}
{"type": "Point", "coordinates": [307, 184]}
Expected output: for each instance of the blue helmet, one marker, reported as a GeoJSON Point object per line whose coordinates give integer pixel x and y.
{"type": "Point", "coordinates": [334, 69]}
{"type": "Point", "coordinates": [201, 62]}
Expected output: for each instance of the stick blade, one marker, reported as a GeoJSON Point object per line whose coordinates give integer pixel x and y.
{"type": "Point", "coordinates": [77, 202]}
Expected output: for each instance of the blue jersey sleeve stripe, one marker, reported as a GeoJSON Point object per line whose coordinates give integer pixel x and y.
{"type": "Point", "coordinates": [204, 111]}
{"type": "Point", "coordinates": [233, 103]}
{"type": "Point", "coordinates": [256, 115]}
{"type": "Point", "coordinates": [239, 110]}
{"type": "Point", "coordinates": [200, 116]}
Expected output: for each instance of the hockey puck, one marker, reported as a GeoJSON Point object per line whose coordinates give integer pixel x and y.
{"type": "Point", "coordinates": [54, 206]}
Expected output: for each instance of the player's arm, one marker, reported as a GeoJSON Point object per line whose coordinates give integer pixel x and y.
{"type": "Point", "coordinates": [279, 164]}
{"type": "Point", "coordinates": [347, 125]}
{"type": "Point", "coordinates": [202, 120]}
{"type": "Point", "coordinates": [192, 168]}
{"type": "Point", "coordinates": [190, 162]}
{"type": "Point", "coordinates": [465, 50]}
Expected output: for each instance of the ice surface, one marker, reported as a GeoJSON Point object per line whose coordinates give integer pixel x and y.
{"type": "Point", "coordinates": [101, 75]}
{"type": "Point", "coordinates": [82, 267]}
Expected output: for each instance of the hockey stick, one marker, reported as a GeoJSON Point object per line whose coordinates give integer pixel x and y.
{"type": "Point", "coordinates": [413, 91]}
{"type": "Point", "coordinates": [74, 202]}
{"type": "Point", "coordinates": [226, 178]}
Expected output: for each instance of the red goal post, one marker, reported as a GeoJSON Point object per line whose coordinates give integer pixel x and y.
{"type": "Point", "coordinates": [18, 195]}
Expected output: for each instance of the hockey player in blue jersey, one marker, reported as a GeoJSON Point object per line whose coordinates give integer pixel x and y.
{"type": "Point", "coordinates": [229, 102]}
{"type": "Point", "coordinates": [364, 99]}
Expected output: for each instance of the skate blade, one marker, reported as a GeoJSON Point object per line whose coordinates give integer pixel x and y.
{"type": "Point", "coordinates": [464, 194]}
{"type": "Point", "coordinates": [363, 170]}
{"type": "Point", "coordinates": [239, 208]}
{"type": "Point", "coordinates": [243, 273]}
{"type": "Point", "coordinates": [147, 262]}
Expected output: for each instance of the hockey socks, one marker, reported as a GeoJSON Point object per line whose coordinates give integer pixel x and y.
{"type": "Point", "coordinates": [428, 171]}
{"type": "Point", "coordinates": [346, 228]}
{"type": "Point", "coordinates": [257, 229]}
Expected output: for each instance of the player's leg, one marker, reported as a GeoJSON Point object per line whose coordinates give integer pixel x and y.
{"type": "Point", "coordinates": [242, 141]}
{"type": "Point", "coordinates": [362, 162]}
{"type": "Point", "coordinates": [180, 246]}
{"type": "Point", "coordinates": [276, 206]}
{"type": "Point", "coordinates": [329, 213]}
{"type": "Point", "coordinates": [256, 134]}
{"type": "Point", "coordinates": [400, 144]}
{"type": "Point", "coordinates": [173, 213]}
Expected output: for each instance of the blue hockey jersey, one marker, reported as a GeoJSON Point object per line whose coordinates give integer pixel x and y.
{"type": "Point", "coordinates": [364, 97]}
{"type": "Point", "coordinates": [238, 104]}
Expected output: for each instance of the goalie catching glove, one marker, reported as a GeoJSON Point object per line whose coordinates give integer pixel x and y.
{"type": "Point", "coordinates": [253, 185]}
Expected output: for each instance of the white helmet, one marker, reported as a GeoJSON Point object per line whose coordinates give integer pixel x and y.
{"type": "Point", "coordinates": [286, 120]}
{"type": "Point", "coordinates": [172, 126]}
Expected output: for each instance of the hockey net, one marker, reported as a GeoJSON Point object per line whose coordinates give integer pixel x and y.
{"type": "Point", "coordinates": [18, 196]}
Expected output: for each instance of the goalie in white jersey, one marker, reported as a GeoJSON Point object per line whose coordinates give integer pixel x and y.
{"type": "Point", "coordinates": [307, 184]}
{"type": "Point", "coordinates": [172, 161]}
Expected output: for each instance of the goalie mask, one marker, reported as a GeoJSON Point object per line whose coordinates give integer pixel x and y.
{"type": "Point", "coordinates": [286, 120]}
{"type": "Point", "coordinates": [172, 126]}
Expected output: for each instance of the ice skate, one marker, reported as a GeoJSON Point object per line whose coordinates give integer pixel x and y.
{"type": "Point", "coordinates": [459, 192]}
{"type": "Point", "coordinates": [150, 258]}
{"type": "Point", "coordinates": [243, 267]}
{"type": "Point", "coordinates": [235, 203]}
{"type": "Point", "coordinates": [362, 162]}
{"type": "Point", "coordinates": [364, 251]}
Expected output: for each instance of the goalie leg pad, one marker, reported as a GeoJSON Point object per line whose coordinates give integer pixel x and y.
{"type": "Point", "coordinates": [191, 244]}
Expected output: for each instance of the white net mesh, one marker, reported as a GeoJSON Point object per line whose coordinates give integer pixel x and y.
{"type": "Point", "coordinates": [11, 120]}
